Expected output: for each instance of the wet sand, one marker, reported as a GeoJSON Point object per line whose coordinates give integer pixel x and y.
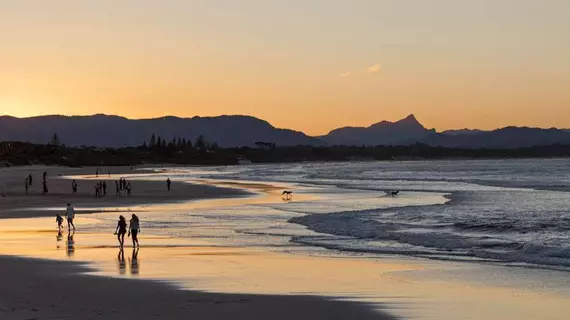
{"type": "Point", "coordinates": [235, 282]}
{"type": "Point", "coordinates": [17, 204]}
{"type": "Point", "coordinates": [41, 289]}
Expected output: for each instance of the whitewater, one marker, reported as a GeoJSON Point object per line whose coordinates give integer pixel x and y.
{"type": "Point", "coordinates": [511, 212]}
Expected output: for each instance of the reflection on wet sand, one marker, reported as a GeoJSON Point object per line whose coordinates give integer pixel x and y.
{"type": "Point", "coordinates": [135, 262]}
{"type": "Point", "coordinates": [70, 244]}
{"type": "Point", "coordinates": [121, 262]}
{"type": "Point", "coordinates": [59, 238]}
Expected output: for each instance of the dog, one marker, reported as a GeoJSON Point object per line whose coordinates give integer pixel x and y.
{"type": "Point", "coordinates": [287, 194]}
{"type": "Point", "coordinates": [393, 193]}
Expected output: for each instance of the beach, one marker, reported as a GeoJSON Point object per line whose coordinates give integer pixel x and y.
{"type": "Point", "coordinates": [221, 248]}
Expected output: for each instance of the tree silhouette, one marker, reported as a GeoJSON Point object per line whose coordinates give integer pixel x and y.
{"type": "Point", "coordinates": [55, 140]}
{"type": "Point", "coordinates": [152, 142]}
{"type": "Point", "coordinates": [200, 143]}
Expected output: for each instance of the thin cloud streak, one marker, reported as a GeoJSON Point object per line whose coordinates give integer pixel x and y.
{"type": "Point", "coordinates": [374, 68]}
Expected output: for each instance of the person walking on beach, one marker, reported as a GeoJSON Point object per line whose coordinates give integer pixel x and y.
{"type": "Point", "coordinates": [59, 221]}
{"type": "Point", "coordinates": [74, 186]}
{"type": "Point", "coordinates": [121, 230]}
{"type": "Point", "coordinates": [45, 188]}
{"type": "Point", "coordinates": [128, 187]}
{"type": "Point", "coordinates": [117, 190]}
{"type": "Point", "coordinates": [27, 184]}
{"type": "Point", "coordinates": [97, 190]}
{"type": "Point", "coordinates": [70, 213]}
{"type": "Point", "coordinates": [168, 183]}
{"type": "Point", "coordinates": [30, 179]}
{"type": "Point", "coordinates": [134, 229]}
{"type": "Point", "coordinates": [104, 188]}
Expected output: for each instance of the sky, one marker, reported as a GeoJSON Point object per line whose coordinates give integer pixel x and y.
{"type": "Point", "coordinates": [308, 65]}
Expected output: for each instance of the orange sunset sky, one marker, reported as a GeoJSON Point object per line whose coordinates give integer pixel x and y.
{"type": "Point", "coordinates": [309, 65]}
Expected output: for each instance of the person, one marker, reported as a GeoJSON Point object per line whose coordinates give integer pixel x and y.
{"type": "Point", "coordinates": [121, 230]}
{"type": "Point", "coordinates": [97, 190]}
{"type": "Point", "coordinates": [104, 188]}
{"type": "Point", "coordinates": [74, 186]}
{"type": "Point", "coordinates": [128, 187]}
{"type": "Point", "coordinates": [117, 190]}
{"type": "Point", "coordinates": [27, 184]}
{"type": "Point", "coordinates": [30, 179]}
{"type": "Point", "coordinates": [168, 183]}
{"type": "Point", "coordinates": [70, 212]}
{"type": "Point", "coordinates": [134, 229]}
{"type": "Point", "coordinates": [44, 175]}
{"type": "Point", "coordinates": [45, 188]}
{"type": "Point", "coordinates": [59, 221]}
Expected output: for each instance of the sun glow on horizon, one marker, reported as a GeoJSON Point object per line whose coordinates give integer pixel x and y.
{"type": "Point", "coordinates": [311, 66]}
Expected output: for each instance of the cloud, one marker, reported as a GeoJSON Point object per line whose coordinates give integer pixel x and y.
{"type": "Point", "coordinates": [345, 74]}
{"type": "Point", "coordinates": [374, 68]}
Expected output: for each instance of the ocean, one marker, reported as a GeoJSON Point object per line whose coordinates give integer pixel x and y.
{"type": "Point", "coordinates": [508, 212]}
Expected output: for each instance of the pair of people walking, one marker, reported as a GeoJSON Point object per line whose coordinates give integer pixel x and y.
{"type": "Point", "coordinates": [133, 230]}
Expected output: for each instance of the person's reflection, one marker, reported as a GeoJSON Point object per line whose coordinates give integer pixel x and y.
{"type": "Point", "coordinates": [121, 262]}
{"type": "Point", "coordinates": [59, 238]}
{"type": "Point", "coordinates": [135, 262]}
{"type": "Point", "coordinates": [70, 243]}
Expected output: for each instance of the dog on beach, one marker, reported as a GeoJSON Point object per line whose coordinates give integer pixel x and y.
{"type": "Point", "coordinates": [287, 195]}
{"type": "Point", "coordinates": [393, 193]}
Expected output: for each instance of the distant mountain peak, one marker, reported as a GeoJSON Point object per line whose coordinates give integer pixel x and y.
{"type": "Point", "coordinates": [411, 119]}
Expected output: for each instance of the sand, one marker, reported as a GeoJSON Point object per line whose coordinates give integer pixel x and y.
{"type": "Point", "coordinates": [41, 289]}
{"type": "Point", "coordinates": [17, 204]}
{"type": "Point", "coordinates": [47, 289]}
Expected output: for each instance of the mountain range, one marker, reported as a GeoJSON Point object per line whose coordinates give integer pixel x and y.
{"type": "Point", "coordinates": [238, 130]}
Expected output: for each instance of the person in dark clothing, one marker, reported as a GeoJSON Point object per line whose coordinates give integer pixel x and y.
{"type": "Point", "coordinates": [168, 183]}
{"type": "Point", "coordinates": [104, 188]}
{"type": "Point", "coordinates": [44, 175]}
{"type": "Point", "coordinates": [45, 188]}
{"type": "Point", "coordinates": [121, 230]}
{"type": "Point", "coordinates": [117, 189]}
{"type": "Point", "coordinates": [134, 229]}
{"type": "Point", "coordinates": [128, 187]}
{"type": "Point", "coordinates": [74, 186]}
{"type": "Point", "coordinates": [30, 179]}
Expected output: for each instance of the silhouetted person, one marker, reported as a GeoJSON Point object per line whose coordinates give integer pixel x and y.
{"type": "Point", "coordinates": [59, 221]}
{"type": "Point", "coordinates": [134, 229]}
{"type": "Point", "coordinates": [104, 188]}
{"type": "Point", "coordinates": [168, 183]}
{"type": "Point", "coordinates": [74, 186]}
{"type": "Point", "coordinates": [44, 175]}
{"type": "Point", "coordinates": [128, 187]}
{"type": "Point", "coordinates": [96, 190]}
{"type": "Point", "coordinates": [117, 189]}
{"type": "Point", "coordinates": [70, 213]}
{"type": "Point", "coordinates": [45, 188]}
{"type": "Point", "coordinates": [30, 179]}
{"type": "Point", "coordinates": [121, 230]}
{"type": "Point", "coordinates": [27, 184]}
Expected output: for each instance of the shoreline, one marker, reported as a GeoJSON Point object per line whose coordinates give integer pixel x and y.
{"type": "Point", "coordinates": [219, 277]}
{"type": "Point", "coordinates": [17, 204]}
{"type": "Point", "coordinates": [38, 289]}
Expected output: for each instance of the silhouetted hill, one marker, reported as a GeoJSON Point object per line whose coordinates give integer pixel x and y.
{"type": "Point", "coordinates": [403, 132]}
{"type": "Point", "coordinates": [509, 138]}
{"type": "Point", "coordinates": [113, 131]}
{"type": "Point", "coordinates": [237, 131]}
